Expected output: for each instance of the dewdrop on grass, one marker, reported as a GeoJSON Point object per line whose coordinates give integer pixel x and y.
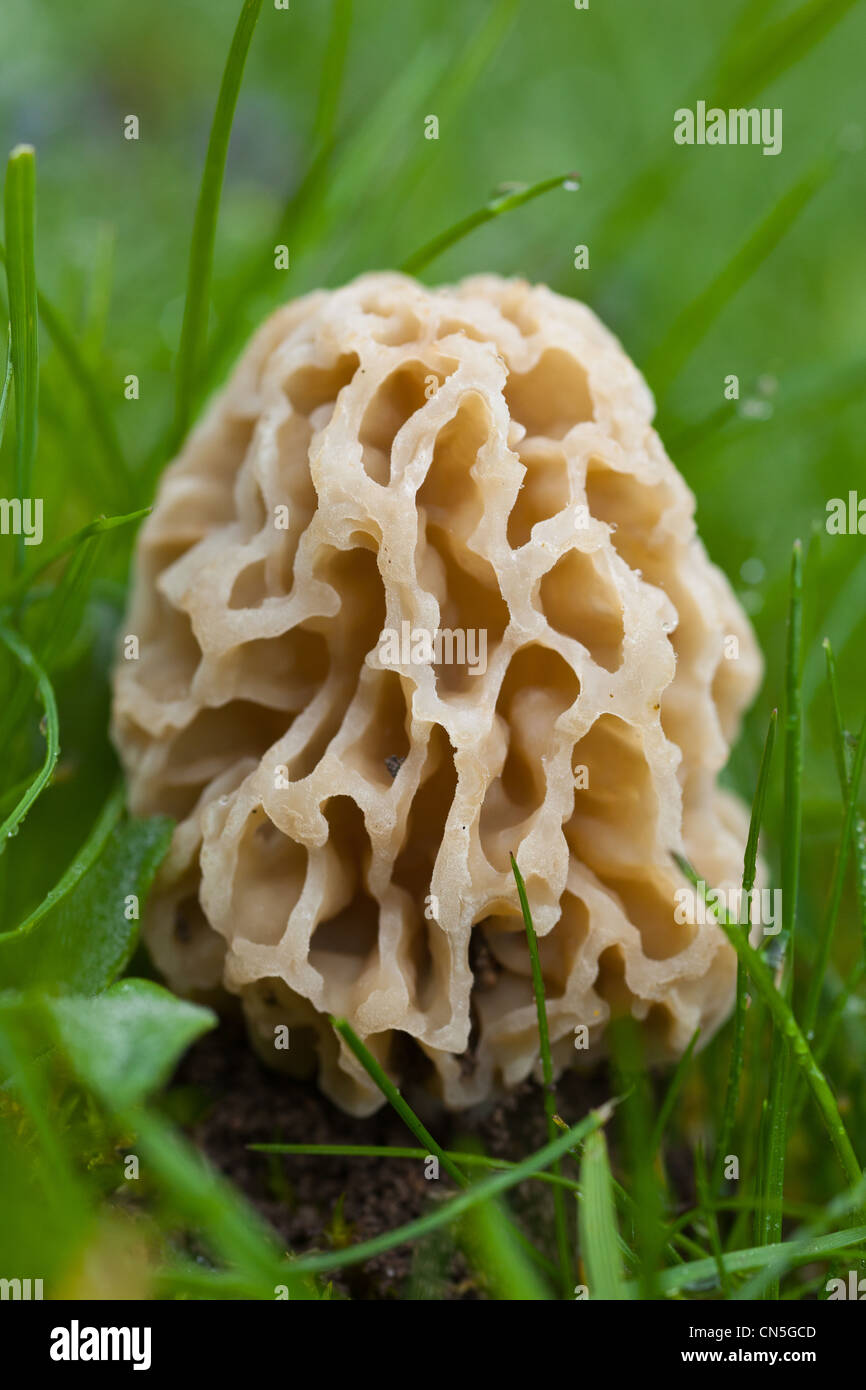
{"type": "Point", "coordinates": [393, 477]}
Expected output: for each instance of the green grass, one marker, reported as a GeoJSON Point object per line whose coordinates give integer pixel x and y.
{"type": "Point", "coordinates": [19, 219]}
{"type": "Point", "coordinates": [704, 266]}
{"type": "Point", "coordinates": [195, 314]}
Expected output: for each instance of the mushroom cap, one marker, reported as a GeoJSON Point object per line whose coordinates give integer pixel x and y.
{"type": "Point", "coordinates": [423, 589]}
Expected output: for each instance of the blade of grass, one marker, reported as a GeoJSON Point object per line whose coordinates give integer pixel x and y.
{"type": "Point", "coordinates": [792, 827]}
{"type": "Point", "coordinates": [486, 1237]}
{"type": "Point", "coordinates": [843, 760]}
{"type": "Point", "coordinates": [626, 1046]}
{"type": "Point", "coordinates": [834, 1017]}
{"type": "Point", "coordinates": [12, 823]}
{"type": "Point", "coordinates": [709, 1218]}
{"type": "Point", "coordinates": [99, 289]}
{"type": "Point", "coordinates": [765, 56]}
{"type": "Point", "coordinates": [389, 1090]}
{"type": "Point", "coordinates": [116, 470]}
{"type": "Point", "coordinates": [560, 1218]}
{"type": "Point", "coordinates": [98, 412]}
{"type": "Point", "coordinates": [20, 219]}
{"type": "Point", "coordinates": [845, 772]}
{"type": "Point", "coordinates": [775, 1130]}
{"type": "Point", "coordinates": [212, 1205]}
{"type": "Point", "coordinates": [780, 1011]}
{"type": "Point", "coordinates": [672, 1094]}
{"type": "Point", "coordinates": [63, 608]}
{"type": "Point", "coordinates": [62, 615]}
{"type": "Point", "coordinates": [65, 547]}
{"type": "Point", "coordinates": [750, 861]}
{"type": "Point", "coordinates": [691, 325]}
{"type": "Point", "coordinates": [333, 70]}
{"type": "Point", "coordinates": [839, 1206]}
{"type": "Point", "coordinates": [458, 78]}
{"type": "Point", "coordinates": [466, 1159]}
{"type": "Point", "coordinates": [599, 1237]}
{"type": "Point", "coordinates": [831, 913]}
{"type": "Point", "coordinates": [455, 1207]}
{"type": "Point", "coordinates": [195, 314]}
{"type": "Point", "coordinates": [84, 860]}
{"type": "Point", "coordinates": [7, 381]}
{"type": "Point", "coordinates": [334, 183]}
{"type": "Point", "coordinates": [411, 1120]}
{"type": "Point", "coordinates": [704, 1273]}
{"type": "Point", "coordinates": [495, 207]}
{"type": "Point", "coordinates": [458, 1156]}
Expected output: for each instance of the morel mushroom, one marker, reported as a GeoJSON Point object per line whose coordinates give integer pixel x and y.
{"type": "Point", "coordinates": [424, 589]}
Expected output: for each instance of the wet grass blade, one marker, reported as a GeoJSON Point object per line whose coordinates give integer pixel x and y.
{"type": "Point", "coordinates": [599, 1236]}
{"type": "Point", "coordinates": [27, 660]}
{"type": "Point", "coordinates": [503, 202]}
{"type": "Point", "coordinates": [560, 1217]}
{"type": "Point", "coordinates": [20, 222]}
{"type": "Point", "coordinates": [780, 1011]}
{"type": "Point", "coordinates": [771, 1272]}
{"type": "Point", "coordinates": [735, 1068]}
{"type": "Point", "coordinates": [693, 322]}
{"type": "Point", "coordinates": [699, 1273]}
{"type": "Point", "coordinates": [774, 1131]}
{"type": "Point", "coordinates": [195, 314]}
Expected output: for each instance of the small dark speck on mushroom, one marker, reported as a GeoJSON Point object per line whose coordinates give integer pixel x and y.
{"type": "Point", "coordinates": [394, 763]}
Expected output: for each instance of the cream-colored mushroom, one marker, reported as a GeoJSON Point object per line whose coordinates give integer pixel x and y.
{"type": "Point", "coordinates": [424, 589]}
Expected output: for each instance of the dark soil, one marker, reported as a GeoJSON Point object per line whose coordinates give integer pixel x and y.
{"type": "Point", "coordinates": [314, 1201]}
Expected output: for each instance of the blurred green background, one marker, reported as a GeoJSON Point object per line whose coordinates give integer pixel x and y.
{"type": "Point", "coordinates": [702, 260]}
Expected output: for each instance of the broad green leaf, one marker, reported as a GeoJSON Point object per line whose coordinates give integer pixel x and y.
{"type": "Point", "coordinates": [125, 1043]}
{"type": "Point", "coordinates": [88, 937]}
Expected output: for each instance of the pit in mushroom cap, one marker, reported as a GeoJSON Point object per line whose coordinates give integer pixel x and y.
{"type": "Point", "coordinates": [389, 463]}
